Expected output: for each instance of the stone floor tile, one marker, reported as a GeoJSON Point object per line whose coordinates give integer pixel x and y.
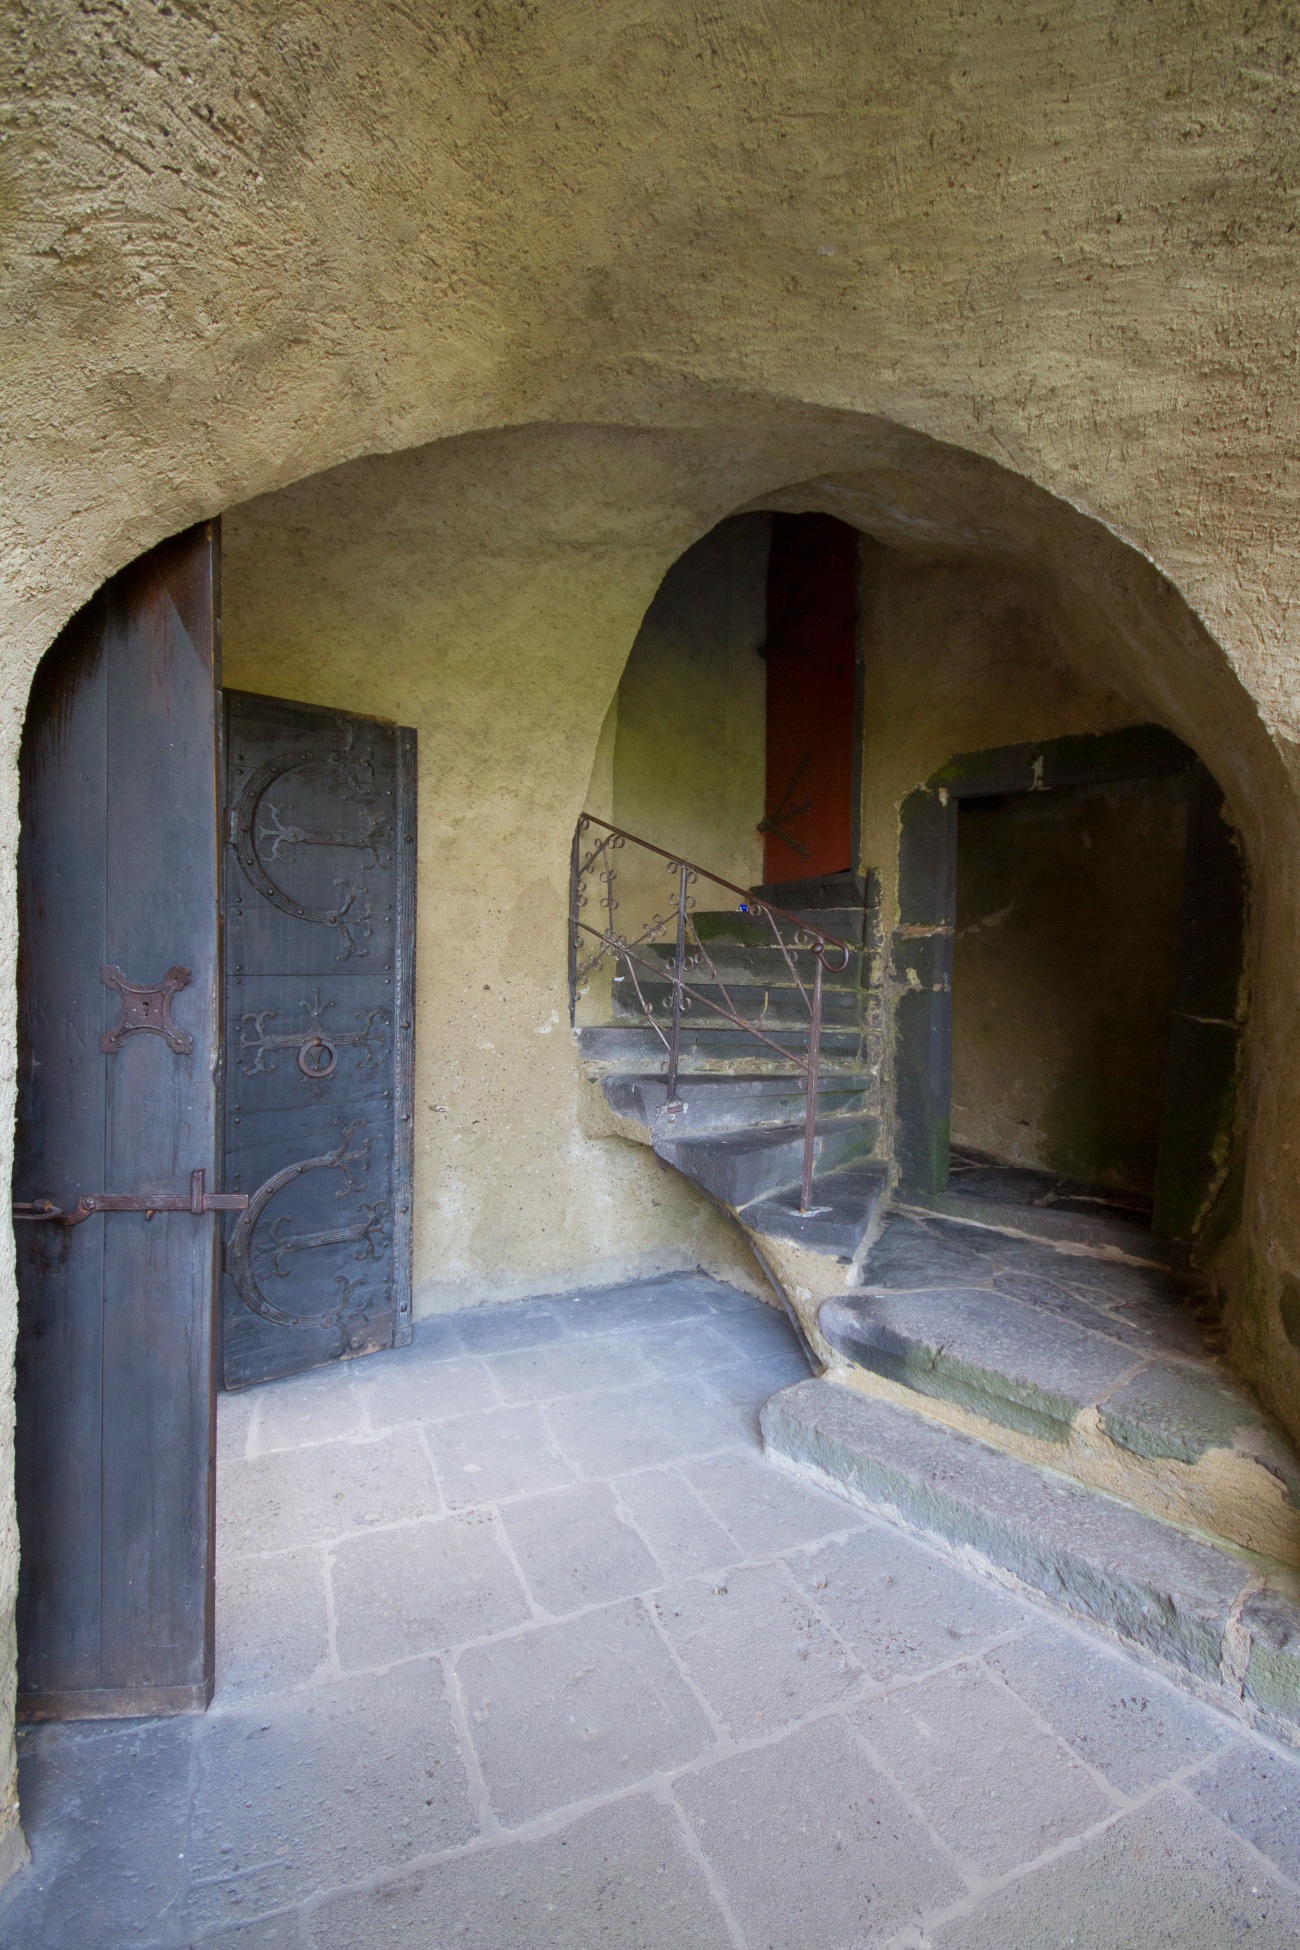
{"type": "Point", "coordinates": [634, 1428]}
{"type": "Point", "coordinates": [422, 1587]}
{"type": "Point", "coordinates": [619, 1879]}
{"type": "Point", "coordinates": [672, 1518]}
{"type": "Point", "coordinates": [1118, 1716]}
{"type": "Point", "coordinates": [105, 1810]}
{"type": "Point", "coordinates": [814, 1849]}
{"type": "Point", "coordinates": [764, 1510]}
{"type": "Point", "coordinates": [691, 1348]}
{"type": "Point", "coordinates": [996, 1788]}
{"type": "Point", "coordinates": [312, 1495]}
{"type": "Point", "coordinates": [724, 1298]}
{"type": "Point", "coordinates": [493, 1329]}
{"type": "Point", "coordinates": [280, 1932]}
{"type": "Point", "coordinates": [753, 1380]}
{"type": "Point", "coordinates": [577, 1709]}
{"type": "Point", "coordinates": [499, 1452]}
{"type": "Point", "coordinates": [234, 1417]}
{"type": "Point", "coordinates": [272, 1623]}
{"type": "Point", "coordinates": [341, 1782]}
{"type": "Point", "coordinates": [436, 1338]}
{"type": "Point", "coordinates": [757, 1331]}
{"type": "Point", "coordinates": [575, 1550]}
{"type": "Point", "coordinates": [648, 1304]}
{"type": "Point", "coordinates": [305, 1408]}
{"type": "Point", "coordinates": [569, 1367]}
{"type": "Point", "coordinates": [1256, 1790]}
{"type": "Point", "coordinates": [1167, 1877]}
{"type": "Point", "coordinates": [425, 1391]}
{"type": "Point", "coordinates": [899, 1606]}
{"type": "Point", "coordinates": [756, 1649]}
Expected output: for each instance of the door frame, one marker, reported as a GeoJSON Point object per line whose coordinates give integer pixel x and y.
{"type": "Point", "coordinates": [1201, 1079]}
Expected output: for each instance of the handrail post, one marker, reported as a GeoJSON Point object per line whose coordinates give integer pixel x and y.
{"type": "Point", "coordinates": [575, 876]}
{"type": "Point", "coordinates": [814, 1058]}
{"type": "Point", "coordinates": [679, 974]}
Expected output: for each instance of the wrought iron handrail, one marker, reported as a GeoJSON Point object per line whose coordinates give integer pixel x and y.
{"type": "Point", "coordinates": [805, 937]}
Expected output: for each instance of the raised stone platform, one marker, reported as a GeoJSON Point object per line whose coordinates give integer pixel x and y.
{"type": "Point", "coordinates": [1105, 1371]}
{"type": "Point", "coordinates": [1205, 1613]}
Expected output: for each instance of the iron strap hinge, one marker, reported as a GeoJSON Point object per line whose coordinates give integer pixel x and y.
{"type": "Point", "coordinates": [198, 1201]}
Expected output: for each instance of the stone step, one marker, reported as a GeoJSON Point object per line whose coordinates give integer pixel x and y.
{"type": "Point", "coordinates": [838, 890]}
{"type": "Point", "coordinates": [847, 1203]}
{"type": "Point", "coordinates": [749, 927]}
{"type": "Point", "coordinates": [634, 1045]}
{"type": "Point", "coordinates": [1178, 1436]}
{"type": "Point", "coordinates": [736, 1167]}
{"type": "Point", "coordinates": [1062, 1224]}
{"type": "Point", "coordinates": [721, 1103]}
{"type": "Point", "coordinates": [1228, 1626]}
{"type": "Point", "coordinates": [763, 966]}
{"type": "Point", "coordinates": [767, 1006]}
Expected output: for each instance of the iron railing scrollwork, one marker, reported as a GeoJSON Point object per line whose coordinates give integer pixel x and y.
{"type": "Point", "coordinates": [594, 870]}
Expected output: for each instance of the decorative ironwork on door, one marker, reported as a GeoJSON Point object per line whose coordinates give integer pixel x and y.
{"type": "Point", "coordinates": [319, 1019]}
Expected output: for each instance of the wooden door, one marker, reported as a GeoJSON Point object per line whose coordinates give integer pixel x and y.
{"type": "Point", "coordinates": [117, 1093]}
{"type": "Point", "coordinates": [811, 649]}
{"type": "Point", "coordinates": [320, 893]}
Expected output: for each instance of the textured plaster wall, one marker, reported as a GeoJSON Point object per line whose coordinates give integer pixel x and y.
{"type": "Point", "coordinates": [1011, 285]}
{"type": "Point", "coordinates": [1063, 977]}
{"type": "Point", "coordinates": [957, 657]}
{"type": "Point", "coordinates": [688, 770]}
{"type": "Point", "coordinates": [428, 587]}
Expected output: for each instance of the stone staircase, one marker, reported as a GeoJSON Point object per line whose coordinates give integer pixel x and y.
{"type": "Point", "coordinates": [1015, 1368]}
{"type": "Point", "coordinates": [737, 1126]}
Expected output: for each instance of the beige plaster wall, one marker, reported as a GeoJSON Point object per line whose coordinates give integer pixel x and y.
{"type": "Point", "coordinates": [1005, 284]}
{"type": "Point", "coordinates": [957, 657]}
{"type": "Point", "coordinates": [688, 771]}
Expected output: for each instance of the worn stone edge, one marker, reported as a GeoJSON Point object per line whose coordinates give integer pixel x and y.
{"type": "Point", "coordinates": [1255, 1682]}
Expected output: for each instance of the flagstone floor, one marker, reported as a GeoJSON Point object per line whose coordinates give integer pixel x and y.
{"type": "Point", "coordinates": [522, 1643]}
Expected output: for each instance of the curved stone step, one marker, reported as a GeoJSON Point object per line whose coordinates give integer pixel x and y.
{"type": "Point", "coordinates": [712, 1103]}
{"type": "Point", "coordinates": [766, 1005]}
{"type": "Point", "coordinates": [738, 1166]}
{"type": "Point", "coordinates": [634, 1045]}
{"type": "Point", "coordinates": [1224, 1623]}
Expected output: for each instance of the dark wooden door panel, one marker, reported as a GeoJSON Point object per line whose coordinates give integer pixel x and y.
{"type": "Point", "coordinates": [811, 650]}
{"type": "Point", "coordinates": [118, 870]}
{"type": "Point", "coordinates": [319, 1030]}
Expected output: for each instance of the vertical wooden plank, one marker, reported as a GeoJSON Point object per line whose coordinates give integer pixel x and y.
{"type": "Point", "coordinates": [115, 1403]}
{"type": "Point", "coordinates": [404, 1043]}
{"type": "Point", "coordinates": [59, 1149]}
{"type": "Point", "coordinates": [160, 1124]}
